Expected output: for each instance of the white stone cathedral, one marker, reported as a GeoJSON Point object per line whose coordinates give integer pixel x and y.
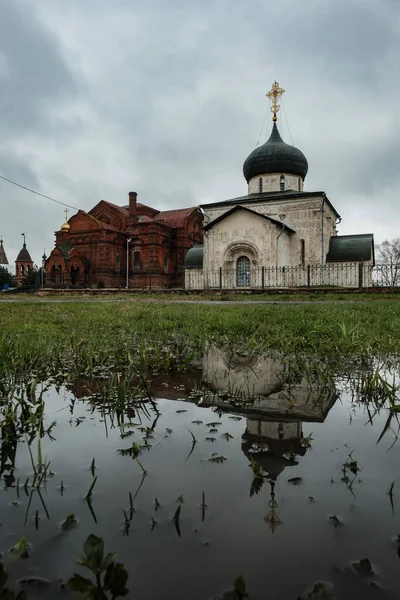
{"type": "Point", "coordinates": [278, 234]}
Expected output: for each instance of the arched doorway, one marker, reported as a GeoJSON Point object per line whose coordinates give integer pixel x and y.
{"type": "Point", "coordinates": [243, 272]}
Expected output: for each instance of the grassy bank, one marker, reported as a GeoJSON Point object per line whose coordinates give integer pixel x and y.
{"type": "Point", "coordinates": [313, 295]}
{"type": "Point", "coordinates": [82, 337]}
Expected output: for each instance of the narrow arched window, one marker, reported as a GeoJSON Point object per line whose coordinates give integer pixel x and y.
{"type": "Point", "coordinates": [22, 270]}
{"type": "Point", "coordinates": [243, 272]}
{"type": "Point", "coordinates": [282, 183]}
{"type": "Point", "coordinates": [136, 261]}
{"type": "Point", "coordinates": [165, 263]}
{"type": "Point", "coordinates": [260, 185]}
{"type": "Point", "coordinates": [302, 252]}
{"type": "Point", "coordinates": [299, 184]}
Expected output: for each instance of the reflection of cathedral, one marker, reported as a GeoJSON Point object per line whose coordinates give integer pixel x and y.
{"type": "Point", "coordinates": [275, 406]}
{"type": "Point", "coordinates": [263, 389]}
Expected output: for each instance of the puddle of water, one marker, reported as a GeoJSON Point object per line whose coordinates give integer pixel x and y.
{"type": "Point", "coordinates": [275, 531]}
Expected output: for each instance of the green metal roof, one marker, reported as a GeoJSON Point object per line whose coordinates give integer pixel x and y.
{"type": "Point", "coordinates": [194, 258]}
{"type": "Point", "coordinates": [351, 248]}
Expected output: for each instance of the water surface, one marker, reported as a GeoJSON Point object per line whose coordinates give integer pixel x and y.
{"type": "Point", "coordinates": [320, 458]}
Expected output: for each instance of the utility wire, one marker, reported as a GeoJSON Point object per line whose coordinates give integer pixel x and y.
{"type": "Point", "coordinates": [37, 193]}
{"type": "Point", "coordinates": [262, 126]}
{"type": "Point", "coordinates": [287, 122]}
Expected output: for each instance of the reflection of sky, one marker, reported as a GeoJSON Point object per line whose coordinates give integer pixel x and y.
{"type": "Point", "coordinates": [233, 538]}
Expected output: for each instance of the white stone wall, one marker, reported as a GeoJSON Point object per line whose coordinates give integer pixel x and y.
{"type": "Point", "coordinates": [272, 183]}
{"type": "Point", "coordinates": [275, 430]}
{"type": "Point", "coordinates": [194, 279]}
{"type": "Point", "coordinates": [304, 214]}
{"type": "Point", "coordinates": [265, 379]}
{"type": "Point", "coordinates": [242, 233]}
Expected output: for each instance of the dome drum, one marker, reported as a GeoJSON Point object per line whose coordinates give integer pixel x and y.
{"type": "Point", "coordinates": [275, 182]}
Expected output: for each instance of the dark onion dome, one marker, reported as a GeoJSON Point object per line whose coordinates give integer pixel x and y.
{"type": "Point", "coordinates": [275, 157]}
{"type": "Point", "coordinates": [24, 255]}
{"type": "Point", "coordinates": [194, 258]}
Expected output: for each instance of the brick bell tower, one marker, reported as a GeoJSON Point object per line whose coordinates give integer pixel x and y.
{"type": "Point", "coordinates": [23, 264]}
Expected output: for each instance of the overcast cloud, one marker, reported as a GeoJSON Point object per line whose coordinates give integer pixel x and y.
{"type": "Point", "coordinates": [167, 98]}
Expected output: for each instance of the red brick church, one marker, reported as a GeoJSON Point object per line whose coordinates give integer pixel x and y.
{"type": "Point", "coordinates": [111, 245]}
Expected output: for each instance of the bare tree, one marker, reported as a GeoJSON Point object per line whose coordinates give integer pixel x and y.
{"type": "Point", "coordinates": [388, 262]}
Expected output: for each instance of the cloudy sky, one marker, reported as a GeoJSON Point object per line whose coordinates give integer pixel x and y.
{"type": "Point", "coordinates": [167, 98]}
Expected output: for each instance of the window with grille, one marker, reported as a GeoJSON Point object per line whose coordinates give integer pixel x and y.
{"type": "Point", "coordinates": [243, 272]}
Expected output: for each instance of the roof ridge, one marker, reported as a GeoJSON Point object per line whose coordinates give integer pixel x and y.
{"type": "Point", "coordinates": [254, 212]}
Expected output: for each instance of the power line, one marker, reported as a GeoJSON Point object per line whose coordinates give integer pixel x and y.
{"type": "Point", "coordinates": [263, 123]}
{"type": "Point", "coordinates": [37, 193]}
{"type": "Point", "coordinates": [287, 122]}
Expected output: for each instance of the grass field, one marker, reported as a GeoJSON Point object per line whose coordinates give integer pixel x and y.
{"type": "Point", "coordinates": [85, 336]}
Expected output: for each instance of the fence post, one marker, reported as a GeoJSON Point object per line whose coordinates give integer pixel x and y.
{"type": "Point", "coordinates": [220, 278]}
{"type": "Point", "coordinates": [263, 277]}
{"type": "Point", "coordinates": [360, 275]}
{"type": "Point", "coordinates": [308, 276]}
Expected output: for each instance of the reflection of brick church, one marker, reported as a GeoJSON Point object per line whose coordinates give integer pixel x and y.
{"type": "Point", "coordinates": [93, 249]}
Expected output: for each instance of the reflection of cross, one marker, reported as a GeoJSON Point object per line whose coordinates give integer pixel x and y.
{"type": "Point", "coordinates": [66, 214]}
{"type": "Point", "coordinates": [274, 94]}
{"type": "Point", "coordinates": [272, 518]}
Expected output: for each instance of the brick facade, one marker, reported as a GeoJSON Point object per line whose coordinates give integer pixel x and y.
{"type": "Point", "coordinates": [93, 248]}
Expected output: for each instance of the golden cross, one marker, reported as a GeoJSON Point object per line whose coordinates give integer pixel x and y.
{"type": "Point", "coordinates": [66, 214]}
{"type": "Point", "coordinates": [274, 94]}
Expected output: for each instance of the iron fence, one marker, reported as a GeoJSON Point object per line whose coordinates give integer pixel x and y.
{"type": "Point", "coordinates": [386, 275]}
{"type": "Point", "coordinates": [330, 274]}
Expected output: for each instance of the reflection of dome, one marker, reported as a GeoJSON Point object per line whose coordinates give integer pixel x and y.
{"type": "Point", "coordinates": [275, 157]}
{"type": "Point", "coordinates": [242, 361]}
